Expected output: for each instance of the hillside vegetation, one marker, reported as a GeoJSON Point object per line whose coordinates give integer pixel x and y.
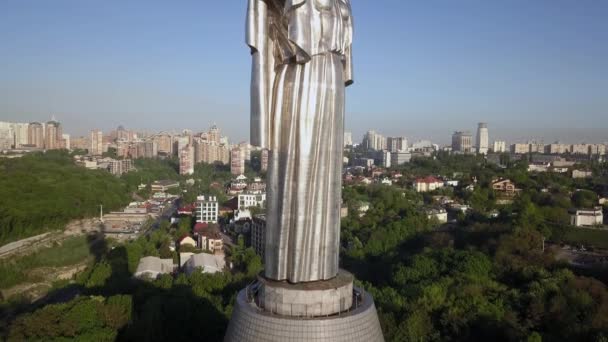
{"type": "Point", "coordinates": [42, 192]}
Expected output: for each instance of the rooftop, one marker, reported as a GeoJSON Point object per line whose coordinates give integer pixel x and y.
{"type": "Point", "coordinates": [428, 179]}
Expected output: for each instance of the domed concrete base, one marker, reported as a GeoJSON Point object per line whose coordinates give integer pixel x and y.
{"type": "Point", "coordinates": [249, 323]}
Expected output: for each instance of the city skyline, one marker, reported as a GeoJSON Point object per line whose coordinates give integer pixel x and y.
{"type": "Point", "coordinates": [361, 140]}
{"type": "Point", "coordinates": [533, 71]}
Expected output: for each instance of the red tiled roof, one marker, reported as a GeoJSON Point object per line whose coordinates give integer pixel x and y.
{"type": "Point", "coordinates": [207, 230]}
{"type": "Point", "coordinates": [182, 238]}
{"type": "Point", "coordinates": [428, 180]}
{"type": "Point", "coordinates": [199, 227]}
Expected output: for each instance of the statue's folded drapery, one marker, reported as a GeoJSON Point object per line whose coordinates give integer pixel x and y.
{"type": "Point", "coordinates": [301, 63]}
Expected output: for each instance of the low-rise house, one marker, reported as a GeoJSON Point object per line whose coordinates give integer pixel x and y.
{"type": "Point", "coordinates": [225, 211]}
{"type": "Point", "coordinates": [209, 237]}
{"type": "Point", "coordinates": [587, 217]}
{"type": "Point", "coordinates": [539, 167]}
{"type": "Point", "coordinates": [151, 267]}
{"type": "Point", "coordinates": [581, 174]}
{"type": "Point", "coordinates": [426, 184]}
{"type": "Point", "coordinates": [257, 186]}
{"type": "Point", "coordinates": [439, 214]}
{"type": "Point", "coordinates": [164, 185]}
{"type": "Point", "coordinates": [205, 263]}
{"type": "Point", "coordinates": [160, 196]}
{"type": "Point", "coordinates": [187, 241]}
{"type": "Point", "coordinates": [560, 169]}
{"type": "Point", "coordinates": [452, 183]}
{"type": "Point", "coordinates": [186, 210]}
{"type": "Point", "coordinates": [563, 163]}
{"type": "Point", "coordinates": [238, 185]}
{"type": "Point", "coordinates": [386, 181]}
{"type": "Point", "coordinates": [364, 180]}
{"type": "Point", "coordinates": [247, 200]}
{"type": "Point", "coordinates": [505, 187]}
{"type": "Point", "coordinates": [443, 200]}
{"type": "Point", "coordinates": [457, 207]}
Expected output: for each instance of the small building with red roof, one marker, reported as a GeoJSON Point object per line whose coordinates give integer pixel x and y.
{"type": "Point", "coordinates": [428, 183]}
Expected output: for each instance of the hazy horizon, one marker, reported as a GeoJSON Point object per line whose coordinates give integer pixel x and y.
{"type": "Point", "coordinates": [531, 70]}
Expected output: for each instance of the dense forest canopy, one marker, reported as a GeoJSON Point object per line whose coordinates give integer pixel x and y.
{"type": "Point", "coordinates": [44, 191]}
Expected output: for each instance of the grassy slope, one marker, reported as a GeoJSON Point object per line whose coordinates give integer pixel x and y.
{"type": "Point", "coordinates": [69, 252]}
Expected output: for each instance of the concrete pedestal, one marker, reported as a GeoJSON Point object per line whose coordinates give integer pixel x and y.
{"type": "Point", "coordinates": [250, 323]}
{"type": "Point", "coordinates": [312, 299]}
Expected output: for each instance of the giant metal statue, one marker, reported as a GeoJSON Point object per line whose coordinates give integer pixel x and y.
{"type": "Point", "coordinates": [302, 61]}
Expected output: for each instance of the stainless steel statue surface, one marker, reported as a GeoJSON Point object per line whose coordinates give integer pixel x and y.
{"type": "Point", "coordinates": [302, 61]}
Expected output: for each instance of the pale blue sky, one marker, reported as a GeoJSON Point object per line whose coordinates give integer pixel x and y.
{"type": "Point", "coordinates": [531, 69]}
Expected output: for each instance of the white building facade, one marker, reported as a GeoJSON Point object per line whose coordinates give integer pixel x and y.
{"type": "Point", "coordinates": [248, 200]}
{"type": "Point", "coordinates": [587, 217]}
{"type": "Point", "coordinates": [207, 209]}
{"type": "Point", "coordinates": [483, 140]}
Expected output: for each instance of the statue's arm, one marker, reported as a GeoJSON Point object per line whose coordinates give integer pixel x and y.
{"type": "Point", "coordinates": [256, 31]}
{"type": "Point", "coordinates": [348, 66]}
{"type": "Point", "coordinates": [348, 44]}
{"type": "Point", "coordinates": [258, 38]}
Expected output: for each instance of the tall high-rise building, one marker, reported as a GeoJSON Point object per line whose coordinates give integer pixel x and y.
{"type": "Point", "coordinates": [374, 141]}
{"type": "Point", "coordinates": [66, 141]}
{"type": "Point", "coordinates": [36, 135]}
{"type": "Point", "coordinates": [81, 143]}
{"type": "Point", "coordinates": [462, 142]}
{"type": "Point", "coordinates": [21, 131]}
{"type": "Point", "coordinates": [396, 144]}
{"type": "Point", "coordinates": [179, 142]}
{"type": "Point", "coordinates": [483, 140]}
{"type": "Point", "coordinates": [422, 145]}
{"type": "Point", "coordinates": [207, 152]}
{"type": "Point", "coordinates": [500, 146]}
{"type": "Point", "coordinates": [96, 140]}
{"type": "Point", "coordinates": [245, 150]}
{"type": "Point", "coordinates": [122, 134]}
{"type": "Point", "coordinates": [164, 143]}
{"type": "Point", "coordinates": [146, 149]}
{"type": "Point", "coordinates": [237, 161]}
{"type": "Point", "coordinates": [386, 159]}
{"type": "Point", "coordinates": [7, 136]}
{"type": "Point", "coordinates": [348, 139]}
{"type": "Point", "coordinates": [214, 135]}
{"type": "Point", "coordinates": [53, 136]}
{"type": "Point", "coordinates": [186, 160]}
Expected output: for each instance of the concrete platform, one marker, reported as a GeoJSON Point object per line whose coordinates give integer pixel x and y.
{"type": "Point", "coordinates": [312, 299]}
{"type": "Point", "coordinates": [249, 323]}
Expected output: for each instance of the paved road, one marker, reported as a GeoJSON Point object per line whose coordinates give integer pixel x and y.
{"type": "Point", "coordinates": [166, 214]}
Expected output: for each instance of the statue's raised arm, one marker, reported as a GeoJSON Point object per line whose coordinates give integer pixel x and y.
{"type": "Point", "coordinates": [261, 41]}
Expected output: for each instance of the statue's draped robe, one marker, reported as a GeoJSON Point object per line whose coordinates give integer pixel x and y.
{"type": "Point", "coordinates": [301, 64]}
